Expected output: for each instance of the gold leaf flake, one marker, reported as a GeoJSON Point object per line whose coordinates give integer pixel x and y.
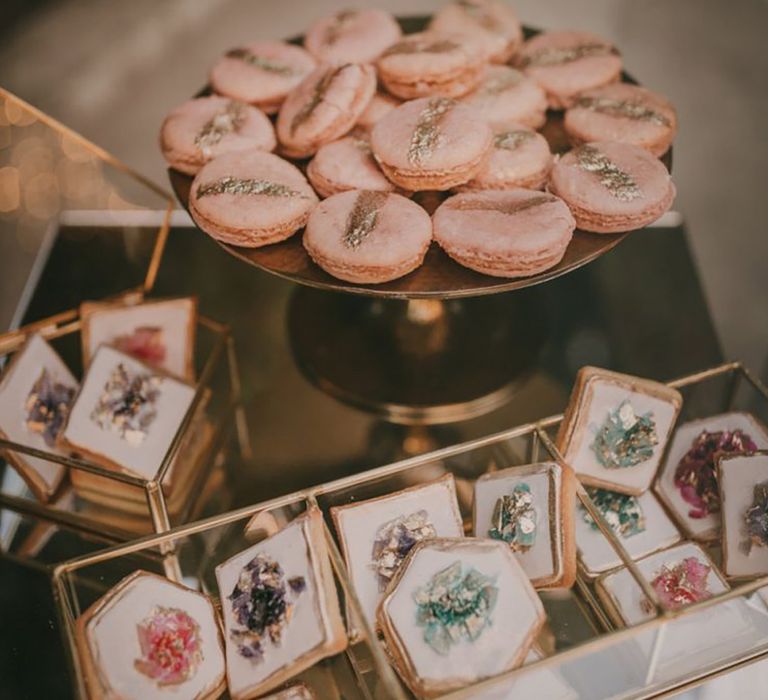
{"type": "Point", "coordinates": [363, 218]}
{"type": "Point", "coordinates": [318, 95]}
{"type": "Point", "coordinates": [426, 135]}
{"type": "Point", "coordinates": [266, 64]}
{"type": "Point", "coordinates": [504, 207]}
{"type": "Point", "coordinates": [510, 140]}
{"type": "Point", "coordinates": [619, 183]}
{"type": "Point", "coordinates": [501, 83]}
{"type": "Point", "coordinates": [631, 109]}
{"type": "Point", "coordinates": [248, 186]}
{"type": "Point", "coordinates": [556, 57]}
{"type": "Point", "coordinates": [227, 121]}
{"type": "Point", "coordinates": [410, 46]}
{"type": "Point", "coordinates": [341, 22]}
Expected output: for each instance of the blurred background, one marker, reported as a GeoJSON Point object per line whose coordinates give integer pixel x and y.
{"type": "Point", "coordinates": [111, 71]}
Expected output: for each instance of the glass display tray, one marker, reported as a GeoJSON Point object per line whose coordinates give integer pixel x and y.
{"type": "Point", "coordinates": [439, 277]}
{"type": "Point", "coordinates": [583, 654]}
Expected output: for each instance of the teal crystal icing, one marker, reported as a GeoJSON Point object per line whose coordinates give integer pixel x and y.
{"type": "Point", "coordinates": [625, 439]}
{"type": "Point", "coordinates": [623, 513]}
{"type": "Point", "coordinates": [454, 605]}
{"type": "Point", "coordinates": [514, 519]}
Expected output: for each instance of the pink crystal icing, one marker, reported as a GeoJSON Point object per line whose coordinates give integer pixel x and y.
{"type": "Point", "coordinates": [171, 648]}
{"type": "Point", "coordinates": [682, 584]}
{"type": "Point", "coordinates": [145, 344]}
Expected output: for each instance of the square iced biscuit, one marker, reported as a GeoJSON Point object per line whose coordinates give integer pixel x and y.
{"type": "Point", "coordinates": [400, 519]}
{"type": "Point", "coordinates": [705, 527]}
{"type": "Point", "coordinates": [657, 532]}
{"type": "Point", "coordinates": [624, 599]}
{"type": "Point", "coordinates": [292, 566]}
{"type": "Point", "coordinates": [36, 380]}
{"type": "Point", "coordinates": [539, 498]}
{"type": "Point", "coordinates": [615, 429]}
{"type": "Point", "coordinates": [126, 415]}
{"type": "Point", "coordinates": [160, 333]}
{"type": "Point", "coordinates": [743, 482]}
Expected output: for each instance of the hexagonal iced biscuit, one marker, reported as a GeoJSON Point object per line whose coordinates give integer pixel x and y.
{"type": "Point", "coordinates": [640, 523]}
{"type": "Point", "coordinates": [615, 429]}
{"type": "Point", "coordinates": [459, 610]}
{"type": "Point", "coordinates": [691, 456]}
{"type": "Point", "coordinates": [36, 394]}
{"type": "Point", "coordinates": [281, 614]}
{"type": "Point", "coordinates": [531, 509]}
{"type": "Point", "coordinates": [377, 534]}
{"type": "Point", "coordinates": [743, 481]}
{"type": "Point", "coordinates": [680, 575]}
{"type": "Point", "coordinates": [149, 638]}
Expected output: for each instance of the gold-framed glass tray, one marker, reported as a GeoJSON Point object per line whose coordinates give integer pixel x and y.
{"type": "Point", "coordinates": [439, 277]}
{"type": "Point", "coordinates": [669, 652]}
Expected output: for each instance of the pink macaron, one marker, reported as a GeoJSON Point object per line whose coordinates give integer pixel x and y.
{"type": "Point", "coordinates": [432, 64]}
{"type": "Point", "coordinates": [202, 129]}
{"type": "Point", "coordinates": [511, 233]}
{"type": "Point", "coordinates": [520, 158]}
{"type": "Point", "coordinates": [612, 187]}
{"type": "Point", "coordinates": [492, 21]}
{"type": "Point", "coordinates": [346, 164]}
{"type": "Point", "coordinates": [622, 112]}
{"type": "Point", "coordinates": [506, 96]}
{"type": "Point", "coordinates": [262, 73]}
{"type": "Point", "coordinates": [250, 198]}
{"type": "Point", "coordinates": [431, 144]}
{"type": "Point", "coordinates": [567, 63]}
{"type": "Point", "coordinates": [354, 36]}
{"type": "Point", "coordinates": [324, 107]}
{"type": "Point", "coordinates": [368, 237]}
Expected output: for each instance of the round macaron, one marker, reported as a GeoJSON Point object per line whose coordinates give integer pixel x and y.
{"type": "Point", "coordinates": [356, 36]}
{"type": "Point", "coordinates": [261, 74]}
{"type": "Point", "coordinates": [492, 21]}
{"type": "Point", "coordinates": [346, 164]}
{"type": "Point", "coordinates": [204, 128]}
{"type": "Point", "coordinates": [511, 233]}
{"type": "Point", "coordinates": [520, 158]}
{"type": "Point", "coordinates": [381, 104]}
{"type": "Point", "coordinates": [324, 107]}
{"type": "Point", "coordinates": [612, 187]}
{"type": "Point", "coordinates": [368, 237]}
{"type": "Point", "coordinates": [506, 96]}
{"type": "Point", "coordinates": [250, 198]}
{"type": "Point", "coordinates": [622, 112]}
{"type": "Point", "coordinates": [567, 63]}
{"type": "Point", "coordinates": [432, 64]}
{"type": "Point", "coordinates": [431, 144]}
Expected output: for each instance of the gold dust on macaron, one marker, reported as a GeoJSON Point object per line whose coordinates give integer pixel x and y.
{"type": "Point", "coordinates": [502, 207]}
{"type": "Point", "coordinates": [618, 182]}
{"type": "Point", "coordinates": [426, 134]}
{"type": "Point", "coordinates": [510, 140]}
{"type": "Point", "coordinates": [341, 21]}
{"type": "Point", "coordinates": [226, 121]}
{"type": "Point", "coordinates": [248, 186]}
{"type": "Point", "coordinates": [555, 57]}
{"type": "Point", "coordinates": [318, 95]}
{"type": "Point", "coordinates": [631, 109]}
{"type": "Point", "coordinates": [266, 64]}
{"type": "Point", "coordinates": [421, 46]}
{"type": "Point", "coordinates": [501, 83]}
{"type": "Point", "coordinates": [364, 217]}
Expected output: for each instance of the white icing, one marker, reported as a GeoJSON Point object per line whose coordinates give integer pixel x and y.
{"type": "Point", "coordinates": [14, 390]}
{"type": "Point", "coordinates": [173, 316]}
{"type": "Point", "coordinates": [605, 398]}
{"type": "Point", "coordinates": [628, 595]}
{"type": "Point", "coordinates": [308, 626]}
{"type": "Point", "coordinates": [144, 459]}
{"type": "Point", "coordinates": [680, 444]}
{"type": "Point", "coordinates": [114, 640]}
{"type": "Point", "coordinates": [515, 615]}
{"type": "Point", "coordinates": [739, 476]}
{"type": "Point", "coordinates": [358, 526]}
{"type": "Point", "coordinates": [538, 561]}
{"type": "Point", "coordinates": [596, 553]}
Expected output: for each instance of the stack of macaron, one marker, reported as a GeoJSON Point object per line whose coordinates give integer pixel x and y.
{"type": "Point", "coordinates": [370, 121]}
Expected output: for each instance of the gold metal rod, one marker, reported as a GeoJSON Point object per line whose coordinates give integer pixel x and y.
{"type": "Point", "coordinates": [159, 248]}
{"type": "Point", "coordinates": [606, 530]}
{"type": "Point", "coordinates": [704, 374]}
{"type": "Point", "coordinates": [72, 462]}
{"type": "Point", "coordinates": [243, 434]}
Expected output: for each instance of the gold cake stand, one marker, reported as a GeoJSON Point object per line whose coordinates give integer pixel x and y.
{"type": "Point", "coordinates": [439, 277]}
